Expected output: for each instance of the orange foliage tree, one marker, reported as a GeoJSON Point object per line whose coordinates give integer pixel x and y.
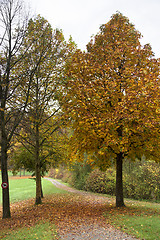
{"type": "Point", "coordinates": [112, 98]}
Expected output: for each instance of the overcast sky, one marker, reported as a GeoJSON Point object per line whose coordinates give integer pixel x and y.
{"type": "Point", "coordinates": [82, 18]}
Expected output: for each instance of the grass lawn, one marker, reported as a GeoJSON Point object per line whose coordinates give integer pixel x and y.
{"type": "Point", "coordinates": [141, 219]}
{"type": "Point", "coordinates": [145, 227]}
{"type": "Point", "coordinates": [43, 230]}
{"type": "Point", "coordinates": [21, 189]}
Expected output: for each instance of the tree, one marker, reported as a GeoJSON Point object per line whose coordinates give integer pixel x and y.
{"type": "Point", "coordinates": [54, 152]}
{"type": "Point", "coordinates": [112, 98]}
{"type": "Point", "coordinates": [15, 82]}
{"type": "Point", "coordinates": [42, 118]}
{"type": "Point", "coordinates": [21, 158]}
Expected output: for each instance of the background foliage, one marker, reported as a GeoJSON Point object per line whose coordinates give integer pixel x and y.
{"type": "Point", "coordinates": [141, 179]}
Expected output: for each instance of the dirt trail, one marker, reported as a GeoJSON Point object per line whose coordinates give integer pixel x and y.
{"type": "Point", "coordinates": [91, 224]}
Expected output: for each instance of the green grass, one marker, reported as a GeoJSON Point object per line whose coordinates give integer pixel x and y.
{"type": "Point", "coordinates": [26, 173]}
{"type": "Point", "coordinates": [21, 189]}
{"type": "Point", "coordinates": [45, 231]}
{"type": "Point", "coordinates": [140, 219]}
{"type": "Point", "coordinates": [143, 227]}
{"type": "Point", "coordinates": [49, 188]}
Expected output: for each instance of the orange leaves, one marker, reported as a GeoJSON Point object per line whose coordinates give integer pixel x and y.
{"type": "Point", "coordinates": [63, 210]}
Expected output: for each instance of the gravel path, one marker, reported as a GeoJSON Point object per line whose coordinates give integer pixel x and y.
{"type": "Point", "coordinates": [92, 229]}
{"type": "Point", "coordinates": [95, 232]}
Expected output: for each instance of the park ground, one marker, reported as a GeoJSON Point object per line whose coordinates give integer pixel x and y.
{"type": "Point", "coordinates": [71, 214]}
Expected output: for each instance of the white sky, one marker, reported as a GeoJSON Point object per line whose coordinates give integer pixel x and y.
{"type": "Point", "coordinates": [82, 18]}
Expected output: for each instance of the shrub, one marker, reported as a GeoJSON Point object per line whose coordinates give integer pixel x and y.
{"type": "Point", "coordinates": [111, 181]}
{"type": "Point", "coordinates": [67, 177]}
{"type": "Point", "coordinates": [56, 173]}
{"type": "Point", "coordinates": [96, 182]}
{"type": "Point", "coordinates": [52, 172]}
{"type": "Point", "coordinates": [101, 182]}
{"type": "Point", "coordinates": [143, 182]}
{"type": "Point", "coordinates": [80, 173]}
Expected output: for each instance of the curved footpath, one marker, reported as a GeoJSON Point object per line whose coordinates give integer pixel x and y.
{"type": "Point", "coordinates": [89, 229]}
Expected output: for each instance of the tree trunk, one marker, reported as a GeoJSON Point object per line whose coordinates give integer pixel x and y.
{"type": "Point", "coordinates": [38, 185]}
{"type": "Point", "coordinates": [42, 196]}
{"type": "Point", "coordinates": [4, 172]}
{"type": "Point", "coordinates": [119, 180]}
{"type": "Point", "coordinates": [37, 168]}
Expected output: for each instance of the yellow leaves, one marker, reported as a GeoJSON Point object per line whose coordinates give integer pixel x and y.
{"type": "Point", "coordinates": [145, 72]}
{"type": "Point", "coordinates": [126, 130]}
{"type": "Point", "coordinates": [115, 84]}
{"type": "Point", "coordinates": [101, 152]}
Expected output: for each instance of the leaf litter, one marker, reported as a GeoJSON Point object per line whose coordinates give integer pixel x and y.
{"type": "Point", "coordinates": [75, 215]}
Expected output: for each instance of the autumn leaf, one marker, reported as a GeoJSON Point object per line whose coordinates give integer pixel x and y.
{"type": "Point", "coordinates": [112, 96]}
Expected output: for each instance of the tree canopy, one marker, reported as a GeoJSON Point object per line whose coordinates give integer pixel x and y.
{"type": "Point", "coordinates": [112, 95]}
{"type": "Point", "coordinates": [15, 82]}
{"type": "Point", "coordinates": [47, 56]}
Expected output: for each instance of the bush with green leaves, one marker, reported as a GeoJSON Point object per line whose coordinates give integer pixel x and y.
{"type": "Point", "coordinates": [80, 172]}
{"type": "Point", "coordinates": [101, 182]}
{"type": "Point", "coordinates": [143, 181]}
{"type": "Point", "coordinates": [67, 177]}
{"type": "Point", "coordinates": [96, 182]}
{"type": "Point", "coordinates": [111, 181]}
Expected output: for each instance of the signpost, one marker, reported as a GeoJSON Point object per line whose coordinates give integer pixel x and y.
{"type": "Point", "coordinates": [4, 185]}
